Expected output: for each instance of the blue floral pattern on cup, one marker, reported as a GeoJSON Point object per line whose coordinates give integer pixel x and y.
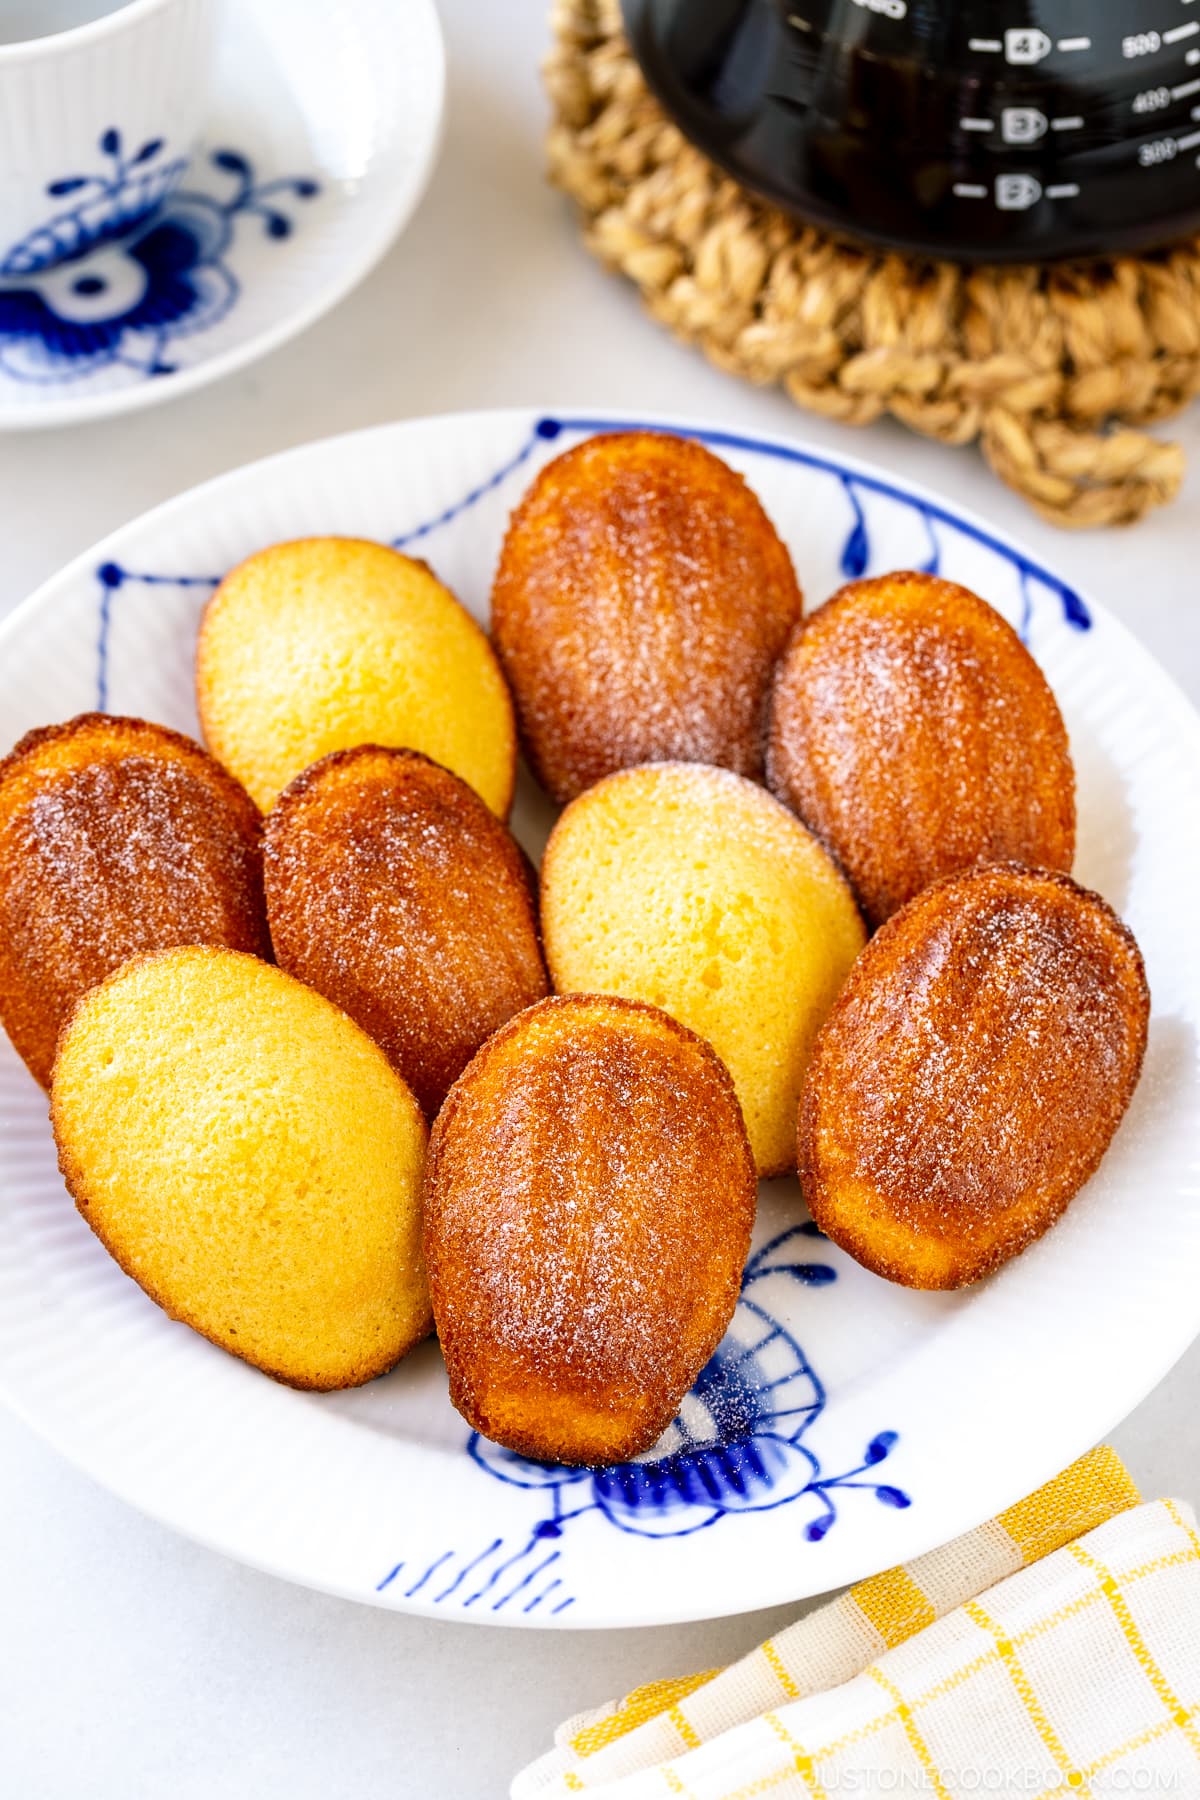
{"type": "Point", "coordinates": [133, 262]}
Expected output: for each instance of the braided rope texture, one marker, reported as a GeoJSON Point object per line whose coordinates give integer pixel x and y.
{"type": "Point", "coordinates": [1054, 369]}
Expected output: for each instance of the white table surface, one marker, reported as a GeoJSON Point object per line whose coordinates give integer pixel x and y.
{"type": "Point", "coordinates": [134, 1664]}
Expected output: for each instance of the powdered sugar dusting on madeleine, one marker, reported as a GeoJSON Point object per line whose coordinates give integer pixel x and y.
{"type": "Point", "coordinates": [396, 893]}
{"type": "Point", "coordinates": [971, 1074]}
{"type": "Point", "coordinates": [589, 1200]}
{"type": "Point", "coordinates": [641, 600]}
{"type": "Point", "coordinates": [116, 837]}
{"type": "Point", "coordinates": [914, 733]}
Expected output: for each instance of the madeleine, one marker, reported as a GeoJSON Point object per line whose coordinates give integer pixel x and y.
{"type": "Point", "coordinates": [250, 1158]}
{"type": "Point", "coordinates": [326, 643]}
{"type": "Point", "coordinates": [693, 889]}
{"type": "Point", "coordinates": [395, 892]}
{"type": "Point", "coordinates": [641, 601]}
{"type": "Point", "coordinates": [117, 837]}
{"type": "Point", "coordinates": [971, 1074]}
{"type": "Point", "coordinates": [588, 1205]}
{"type": "Point", "coordinates": [913, 732]}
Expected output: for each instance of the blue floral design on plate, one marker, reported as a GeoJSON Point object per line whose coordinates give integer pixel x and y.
{"type": "Point", "coordinates": [132, 263]}
{"type": "Point", "coordinates": [857, 486]}
{"type": "Point", "coordinates": [736, 1445]}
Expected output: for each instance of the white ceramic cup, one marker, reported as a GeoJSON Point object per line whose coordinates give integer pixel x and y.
{"type": "Point", "coordinates": [97, 123]}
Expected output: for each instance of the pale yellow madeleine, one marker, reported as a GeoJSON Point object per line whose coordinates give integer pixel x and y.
{"type": "Point", "coordinates": [692, 888]}
{"type": "Point", "coordinates": [248, 1155]}
{"type": "Point", "coordinates": [327, 643]}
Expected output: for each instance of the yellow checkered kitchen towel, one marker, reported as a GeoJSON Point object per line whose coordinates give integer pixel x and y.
{"type": "Point", "coordinates": [1053, 1652]}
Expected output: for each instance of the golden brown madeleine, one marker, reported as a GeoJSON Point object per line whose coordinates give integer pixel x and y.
{"type": "Point", "coordinates": [246, 1153]}
{"type": "Point", "coordinates": [971, 1073]}
{"type": "Point", "coordinates": [116, 837]}
{"type": "Point", "coordinates": [329, 642]}
{"type": "Point", "coordinates": [396, 893]}
{"type": "Point", "coordinates": [913, 732]}
{"type": "Point", "coordinates": [641, 601]}
{"type": "Point", "coordinates": [588, 1203]}
{"type": "Point", "coordinates": [692, 889]}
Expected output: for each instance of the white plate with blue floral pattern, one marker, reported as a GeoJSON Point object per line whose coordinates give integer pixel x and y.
{"type": "Point", "coordinates": [844, 1424]}
{"type": "Point", "coordinates": [324, 129]}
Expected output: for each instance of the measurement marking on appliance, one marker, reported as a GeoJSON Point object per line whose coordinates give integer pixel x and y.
{"type": "Point", "coordinates": [1189, 142]}
{"type": "Point", "coordinates": [1086, 43]}
{"type": "Point", "coordinates": [989, 124]}
{"type": "Point", "coordinates": [1182, 92]}
{"type": "Point", "coordinates": [984, 44]}
{"type": "Point", "coordinates": [1180, 32]}
{"type": "Point", "coordinates": [1017, 191]}
{"type": "Point", "coordinates": [1022, 124]}
{"type": "Point", "coordinates": [1071, 124]}
{"type": "Point", "coordinates": [1026, 44]}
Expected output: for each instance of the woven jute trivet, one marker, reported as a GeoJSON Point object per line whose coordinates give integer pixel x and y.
{"type": "Point", "coordinates": [1053, 369]}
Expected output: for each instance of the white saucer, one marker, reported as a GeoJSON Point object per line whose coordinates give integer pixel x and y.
{"type": "Point", "coordinates": [323, 134]}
